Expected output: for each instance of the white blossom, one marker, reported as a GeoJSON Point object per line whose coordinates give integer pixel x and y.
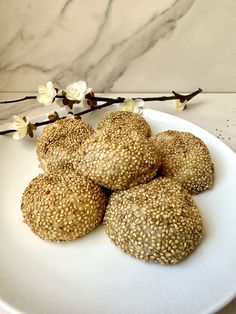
{"type": "Point", "coordinates": [77, 90]}
{"type": "Point", "coordinates": [180, 105]}
{"type": "Point", "coordinates": [46, 93]}
{"type": "Point", "coordinates": [21, 127]}
{"type": "Point", "coordinates": [133, 105]}
{"type": "Point", "coordinates": [70, 116]}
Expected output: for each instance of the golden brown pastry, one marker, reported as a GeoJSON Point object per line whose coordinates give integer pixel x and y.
{"type": "Point", "coordinates": [58, 144]}
{"type": "Point", "coordinates": [125, 120]}
{"type": "Point", "coordinates": [118, 159]}
{"type": "Point", "coordinates": [185, 158]}
{"type": "Point", "coordinates": [155, 222]}
{"type": "Point", "coordinates": [62, 208]}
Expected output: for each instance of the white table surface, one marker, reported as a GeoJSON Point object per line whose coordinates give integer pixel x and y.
{"type": "Point", "coordinates": [215, 113]}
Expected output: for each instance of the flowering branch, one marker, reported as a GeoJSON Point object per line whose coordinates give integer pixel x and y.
{"type": "Point", "coordinates": [76, 93]}
{"type": "Point", "coordinates": [106, 104]}
{"type": "Point", "coordinates": [181, 97]}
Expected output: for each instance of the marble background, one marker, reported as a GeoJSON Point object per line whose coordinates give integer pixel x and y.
{"type": "Point", "coordinates": [119, 45]}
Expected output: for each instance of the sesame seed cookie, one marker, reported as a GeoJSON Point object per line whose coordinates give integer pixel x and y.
{"type": "Point", "coordinates": [125, 120]}
{"type": "Point", "coordinates": [62, 208]}
{"type": "Point", "coordinates": [58, 144]}
{"type": "Point", "coordinates": [118, 159]}
{"type": "Point", "coordinates": [155, 222]}
{"type": "Point", "coordinates": [185, 158]}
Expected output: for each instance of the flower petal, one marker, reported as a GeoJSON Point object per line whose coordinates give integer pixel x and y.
{"type": "Point", "coordinates": [16, 136]}
{"type": "Point", "coordinates": [19, 124]}
{"type": "Point", "coordinates": [139, 102]}
{"type": "Point", "coordinates": [41, 89]}
{"type": "Point", "coordinates": [76, 90]}
{"type": "Point", "coordinates": [48, 100]}
{"type": "Point", "coordinates": [46, 94]}
{"type": "Point", "coordinates": [82, 85]}
{"type": "Point", "coordinates": [70, 116]}
{"type": "Point", "coordinates": [128, 105]}
{"type": "Point", "coordinates": [49, 85]}
{"type": "Point", "coordinates": [40, 98]}
{"type": "Point", "coordinates": [179, 105]}
{"type": "Point", "coordinates": [20, 134]}
{"type": "Point", "coordinates": [18, 119]}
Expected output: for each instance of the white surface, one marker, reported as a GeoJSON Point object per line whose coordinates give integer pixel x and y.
{"type": "Point", "coordinates": [91, 275]}
{"type": "Point", "coordinates": [118, 45]}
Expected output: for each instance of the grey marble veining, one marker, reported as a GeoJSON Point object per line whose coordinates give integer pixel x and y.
{"type": "Point", "coordinates": [118, 45]}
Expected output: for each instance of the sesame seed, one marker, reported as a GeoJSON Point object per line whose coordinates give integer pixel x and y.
{"type": "Point", "coordinates": [185, 158]}
{"type": "Point", "coordinates": [58, 144]}
{"type": "Point", "coordinates": [64, 216]}
{"type": "Point", "coordinates": [125, 120]}
{"type": "Point", "coordinates": [118, 159]}
{"type": "Point", "coordinates": [172, 240]}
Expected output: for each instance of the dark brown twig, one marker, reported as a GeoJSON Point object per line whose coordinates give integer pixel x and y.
{"type": "Point", "coordinates": [17, 100]}
{"type": "Point", "coordinates": [25, 98]}
{"type": "Point", "coordinates": [181, 97]}
{"type": "Point", "coordinates": [7, 131]}
{"type": "Point", "coordinates": [108, 101]}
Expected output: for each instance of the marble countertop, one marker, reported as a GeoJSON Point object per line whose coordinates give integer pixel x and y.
{"type": "Point", "coordinates": [215, 113]}
{"type": "Point", "coordinates": [176, 43]}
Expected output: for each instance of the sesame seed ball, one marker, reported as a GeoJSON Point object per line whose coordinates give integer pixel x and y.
{"type": "Point", "coordinates": [118, 159]}
{"type": "Point", "coordinates": [125, 120]}
{"type": "Point", "coordinates": [58, 144]}
{"type": "Point", "coordinates": [155, 222]}
{"type": "Point", "coordinates": [62, 208]}
{"type": "Point", "coordinates": [185, 158]}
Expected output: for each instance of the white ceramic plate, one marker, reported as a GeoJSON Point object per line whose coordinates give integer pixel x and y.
{"type": "Point", "coordinates": [91, 275]}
